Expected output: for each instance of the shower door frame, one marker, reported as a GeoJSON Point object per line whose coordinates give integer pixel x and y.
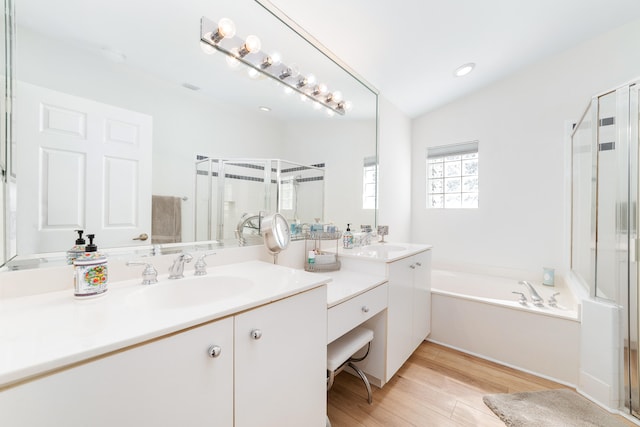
{"type": "Point", "coordinates": [632, 353]}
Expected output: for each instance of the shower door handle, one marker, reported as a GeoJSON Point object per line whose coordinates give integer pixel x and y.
{"type": "Point", "coordinates": [143, 237]}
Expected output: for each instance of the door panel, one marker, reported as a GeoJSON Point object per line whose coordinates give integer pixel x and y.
{"type": "Point", "coordinates": [82, 165]}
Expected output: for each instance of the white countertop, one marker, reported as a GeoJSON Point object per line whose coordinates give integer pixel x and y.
{"type": "Point", "coordinates": [48, 331]}
{"type": "Point", "coordinates": [382, 252]}
{"type": "Point", "coordinates": [348, 284]}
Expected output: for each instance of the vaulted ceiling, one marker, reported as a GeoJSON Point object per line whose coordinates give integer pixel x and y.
{"type": "Point", "coordinates": [409, 49]}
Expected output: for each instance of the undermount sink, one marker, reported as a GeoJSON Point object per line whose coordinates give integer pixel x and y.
{"type": "Point", "coordinates": [190, 291]}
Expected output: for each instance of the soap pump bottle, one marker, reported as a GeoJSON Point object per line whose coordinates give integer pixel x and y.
{"type": "Point", "coordinates": [90, 272]}
{"type": "Point", "coordinates": [347, 238]}
{"type": "Point", "coordinates": [78, 249]}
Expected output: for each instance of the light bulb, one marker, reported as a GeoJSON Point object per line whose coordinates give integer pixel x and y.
{"type": "Point", "coordinates": [320, 89]}
{"type": "Point", "coordinates": [286, 72]}
{"type": "Point", "coordinates": [337, 96]}
{"type": "Point", "coordinates": [253, 73]}
{"type": "Point", "coordinates": [330, 113]}
{"type": "Point", "coordinates": [232, 60]}
{"type": "Point", "coordinates": [267, 62]}
{"type": "Point", "coordinates": [288, 90]}
{"type": "Point", "coordinates": [251, 45]}
{"type": "Point", "coordinates": [348, 105]}
{"type": "Point", "coordinates": [277, 59]}
{"type": "Point", "coordinates": [226, 29]}
{"type": "Point", "coordinates": [206, 47]}
{"type": "Point", "coordinates": [295, 70]}
{"type": "Point", "coordinates": [311, 80]}
{"type": "Point", "coordinates": [303, 98]}
{"type": "Point", "coordinates": [317, 105]}
{"type": "Point", "coordinates": [302, 82]}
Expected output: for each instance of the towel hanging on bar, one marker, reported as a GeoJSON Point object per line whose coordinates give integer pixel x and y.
{"type": "Point", "coordinates": [166, 219]}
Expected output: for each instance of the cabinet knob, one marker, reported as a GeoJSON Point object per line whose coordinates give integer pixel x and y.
{"type": "Point", "coordinates": [365, 309]}
{"type": "Point", "coordinates": [412, 266]}
{"type": "Point", "coordinates": [214, 351]}
{"type": "Point", "coordinates": [256, 334]}
{"type": "Point", "coordinates": [419, 264]}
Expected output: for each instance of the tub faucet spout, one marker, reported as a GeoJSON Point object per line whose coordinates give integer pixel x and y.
{"type": "Point", "coordinates": [535, 297]}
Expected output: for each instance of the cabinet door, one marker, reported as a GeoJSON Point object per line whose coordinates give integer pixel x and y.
{"type": "Point", "coordinates": [168, 382]}
{"type": "Point", "coordinates": [280, 373]}
{"type": "Point", "coordinates": [421, 297]}
{"type": "Point", "coordinates": [399, 315]}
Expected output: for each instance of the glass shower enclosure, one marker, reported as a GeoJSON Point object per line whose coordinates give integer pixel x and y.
{"type": "Point", "coordinates": [604, 215]}
{"type": "Point", "coordinates": [233, 195]}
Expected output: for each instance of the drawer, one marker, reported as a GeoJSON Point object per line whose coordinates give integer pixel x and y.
{"type": "Point", "coordinates": [344, 317]}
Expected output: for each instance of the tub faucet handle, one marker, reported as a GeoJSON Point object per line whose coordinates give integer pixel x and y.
{"type": "Point", "coordinates": [523, 299]}
{"type": "Point", "coordinates": [553, 302]}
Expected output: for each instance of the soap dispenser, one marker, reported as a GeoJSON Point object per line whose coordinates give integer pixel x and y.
{"type": "Point", "coordinates": [347, 238]}
{"type": "Point", "coordinates": [78, 249]}
{"type": "Point", "coordinates": [90, 272]}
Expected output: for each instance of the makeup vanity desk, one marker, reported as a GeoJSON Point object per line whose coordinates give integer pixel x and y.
{"type": "Point", "coordinates": [388, 290]}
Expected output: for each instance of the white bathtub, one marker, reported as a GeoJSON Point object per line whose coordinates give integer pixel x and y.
{"type": "Point", "coordinates": [480, 315]}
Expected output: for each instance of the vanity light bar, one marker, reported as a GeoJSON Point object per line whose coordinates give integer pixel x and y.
{"type": "Point", "coordinates": [221, 36]}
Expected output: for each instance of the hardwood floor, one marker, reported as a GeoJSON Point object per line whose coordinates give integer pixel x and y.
{"type": "Point", "coordinates": [436, 387]}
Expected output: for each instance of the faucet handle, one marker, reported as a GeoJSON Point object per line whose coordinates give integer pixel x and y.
{"type": "Point", "coordinates": [523, 299]}
{"type": "Point", "coordinates": [200, 265]}
{"type": "Point", "coordinates": [553, 302]}
{"type": "Point", "coordinates": [149, 274]}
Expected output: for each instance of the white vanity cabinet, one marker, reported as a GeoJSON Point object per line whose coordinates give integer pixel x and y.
{"type": "Point", "coordinates": [270, 371]}
{"type": "Point", "coordinates": [167, 382]}
{"type": "Point", "coordinates": [281, 359]}
{"type": "Point", "coordinates": [409, 309]}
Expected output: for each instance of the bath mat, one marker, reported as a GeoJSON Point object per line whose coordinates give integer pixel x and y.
{"type": "Point", "coordinates": [552, 408]}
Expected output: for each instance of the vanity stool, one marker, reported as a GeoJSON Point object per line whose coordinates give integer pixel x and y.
{"type": "Point", "coordinates": [340, 354]}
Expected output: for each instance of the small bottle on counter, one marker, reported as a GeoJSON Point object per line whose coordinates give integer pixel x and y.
{"type": "Point", "coordinates": [78, 249]}
{"type": "Point", "coordinates": [90, 277]}
{"type": "Point", "coordinates": [347, 238]}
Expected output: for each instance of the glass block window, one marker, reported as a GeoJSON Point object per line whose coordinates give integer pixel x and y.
{"type": "Point", "coordinates": [452, 176]}
{"type": "Point", "coordinates": [369, 183]}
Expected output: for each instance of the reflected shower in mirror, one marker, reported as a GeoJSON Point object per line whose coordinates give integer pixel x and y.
{"type": "Point", "coordinates": [105, 119]}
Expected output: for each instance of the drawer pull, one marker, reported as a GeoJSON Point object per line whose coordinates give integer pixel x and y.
{"type": "Point", "coordinates": [214, 351]}
{"type": "Point", "coordinates": [365, 309]}
{"type": "Point", "coordinates": [419, 264]}
{"type": "Point", "coordinates": [412, 266]}
{"type": "Point", "coordinates": [256, 334]}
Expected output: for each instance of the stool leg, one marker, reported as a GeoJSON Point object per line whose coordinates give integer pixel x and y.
{"type": "Point", "coordinates": [332, 376]}
{"type": "Point", "coordinates": [365, 380]}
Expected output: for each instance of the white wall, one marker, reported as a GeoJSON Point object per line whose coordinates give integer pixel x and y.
{"type": "Point", "coordinates": [342, 147]}
{"type": "Point", "coordinates": [394, 191]}
{"type": "Point", "coordinates": [519, 122]}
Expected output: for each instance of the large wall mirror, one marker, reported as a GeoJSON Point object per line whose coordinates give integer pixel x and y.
{"type": "Point", "coordinates": [116, 101]}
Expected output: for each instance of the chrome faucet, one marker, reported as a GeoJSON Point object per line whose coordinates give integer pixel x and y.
{"type": "Point", "coordinates": [535, 297]}
{"type": "Point", "coordinates": [201, 266]}
{"type": "Point", "coordinates": [149, 275]}
{"type": "Point", "coordinates": [177, 268]}
{"type": "Point", "coordinates": [523, 299]}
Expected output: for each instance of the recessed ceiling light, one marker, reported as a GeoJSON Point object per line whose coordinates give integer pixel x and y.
{"type": "Point", "coordinates": [463, 70]}
{"type": "Point", "coordinates": [263, 108]}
